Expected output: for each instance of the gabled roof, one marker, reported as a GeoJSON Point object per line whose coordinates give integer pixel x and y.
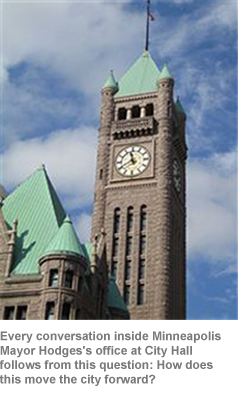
{"type": "Point", "coordinates": [39, 212]}
{"type": "Point", "coordinates": [140, 78]}
{"type": "Point", "coordinates": [115, 299]}
{"type": "Point", "coordinates": [65, 241]}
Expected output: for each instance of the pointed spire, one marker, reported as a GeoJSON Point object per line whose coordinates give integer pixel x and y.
{"type": "Point", "coordinates": [165, 73]}
{"type": "Point", "coordinates": [110, 82]}
{"type": "Point", "coordinates": [65, 241]}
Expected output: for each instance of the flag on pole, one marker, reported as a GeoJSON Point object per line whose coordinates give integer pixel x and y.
{"type": "Point", "coordinates": [151, 17]}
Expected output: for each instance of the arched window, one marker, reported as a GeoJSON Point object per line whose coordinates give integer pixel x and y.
{"type": "Point", "coordinates": [149, 110]}
{"type": "Point", "coordinates": [122, 113]}
{"type": "Point", "coordinates": [136, 112]}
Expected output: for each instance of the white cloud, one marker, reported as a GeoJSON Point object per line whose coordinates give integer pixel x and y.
{"type": "Point", "coordinates": [71, 38]}
{"type": "Point", "coordinates": [212, 210]}
{"type": "Point", "coordinates": [214, 19]}
{"type": "Point", "coordinates": [83, 225]}
{"type": "Point", "coordinates": [69, 157]}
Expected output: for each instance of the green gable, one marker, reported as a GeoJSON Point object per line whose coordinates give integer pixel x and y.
{"type": "Point", "coordinates": [140, 78]}
{"type": "Point", "coordinates": [39, 212]}
{"type": "Point", "coordinates": [65, 241]}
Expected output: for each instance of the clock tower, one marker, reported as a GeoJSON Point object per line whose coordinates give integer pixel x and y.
{"type": "Point", "coordinates": [140, 190]}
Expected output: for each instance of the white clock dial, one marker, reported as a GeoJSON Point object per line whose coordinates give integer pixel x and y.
{"type": "Point", "coordinates": [177, 175]}
{"type": "Point", "coordinates": [132, 161]}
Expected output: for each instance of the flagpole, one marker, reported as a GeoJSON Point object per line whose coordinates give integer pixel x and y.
{"type": "Point", "coordinates": [147, 26]}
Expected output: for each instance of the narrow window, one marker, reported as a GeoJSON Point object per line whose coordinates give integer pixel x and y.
{"type": "Point", "coordinates": [149, 110]}
{"type": "Point", "coordinates": [117, 218]}
{"type": "Point", "coordinates": [101, 174]}
{"type": "Point", "coordinates": [126, 295]}
{"type": "Point", "coordinates": [143, 244]}
{"type": "Point", "coordinates": [128, 269]}
{"type": "Point", "coordinates": [140, 294]}
{"type": "Point", "coordinates": [115, 247]}
{"type": "Point", "coordinates": [80, 284]}
{"type": "Point", "coordinates": [130, 219]}
{"type": "Point", "coordinates": [114, 268]}
{"type": "Point", "coordinates": [53, 277]}
{"type": "Point", "coordinates": [21, 312]}
{"type": "Point", "coordinates": [69, 278]}
{"type": "Point", "coordinates": [65, 311]}
{"type": "Point", "coordinates": [50, 310]}
{"type": "Point", "coordinates": [136, 112]}
{"type": "Point", "coordinates": [143, 224]}
{"type": "Point", "coordinates": [9, 312]}
{"type": "Point", "coordinates": [122, 113]}
{"type": "Point", "coordinates": [142, 269]}
{"type": "Point", "coordinates": [129, 246]}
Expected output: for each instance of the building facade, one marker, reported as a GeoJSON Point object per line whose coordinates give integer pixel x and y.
{"type": "Point", "coordinates": [135, 264]}
{"type": "Point", "coordinates": [45, 272]}
{"type": "Point", "coordinates": [140, 191]}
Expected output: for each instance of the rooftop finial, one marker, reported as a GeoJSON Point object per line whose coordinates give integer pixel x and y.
{"type": "Point", "coordinates": [150, 17]}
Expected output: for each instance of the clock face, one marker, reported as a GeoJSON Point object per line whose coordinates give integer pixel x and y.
{"type": "Point", "coordinates": [177, 175]}
{"type": "Point", "coordinates": [132, 161]}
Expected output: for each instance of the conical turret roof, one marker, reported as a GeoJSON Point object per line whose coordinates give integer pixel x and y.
{"type": "Point", "coordinates": [110, 82]}
{"type": "Point", "coordinates": [165, 73]}
{"type": "Point", "coordinates": [65, 241]}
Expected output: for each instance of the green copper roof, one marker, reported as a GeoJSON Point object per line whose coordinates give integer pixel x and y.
{"type": "Point", "coordinates": [140, 78]}
{"type": "Point", "coordinates": [179, 106]}
{"type": "Point", "coordinates": [115, 299]}
{"type": "Point", "coordinates": [110, 82]}
{"type": "Point", "coordinates": [40, 214]}
{"type": "Point", "coordinates": [87, 251]}
{"type": "Point", "coordinates": [65, 241]}
{"type": "Point", "coordinates": [165, 73]}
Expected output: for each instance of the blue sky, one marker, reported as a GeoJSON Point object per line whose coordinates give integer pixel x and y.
{"type": "Point", "coordinates": [55, 58]}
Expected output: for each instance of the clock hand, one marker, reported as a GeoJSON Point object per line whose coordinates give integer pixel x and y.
{"type": "Point", "coordinates": [127, 163]}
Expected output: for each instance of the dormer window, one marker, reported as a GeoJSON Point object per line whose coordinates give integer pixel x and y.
{"type": "Point", "coordinates": [122, 113]}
